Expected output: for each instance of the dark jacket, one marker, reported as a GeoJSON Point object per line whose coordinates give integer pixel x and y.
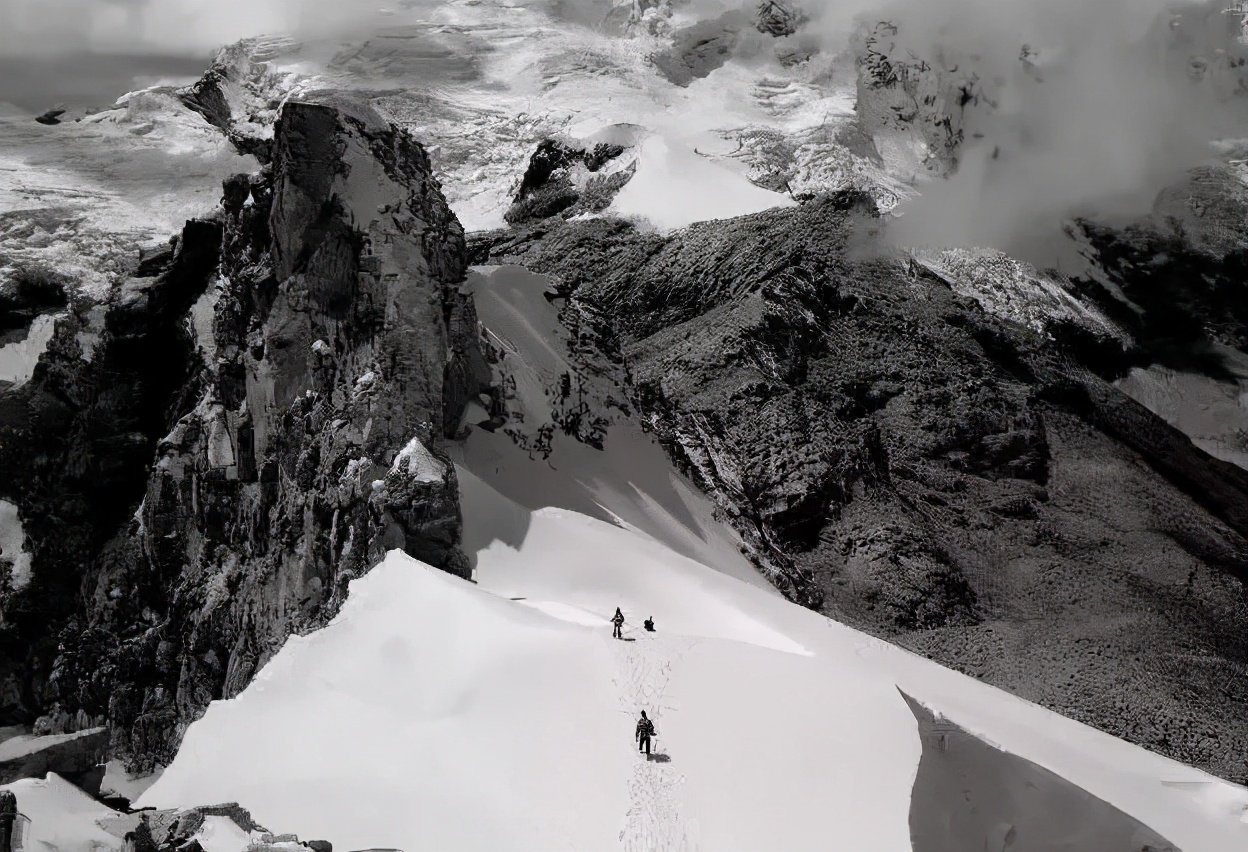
{"type": "Point", "coordinates": [645, 728]}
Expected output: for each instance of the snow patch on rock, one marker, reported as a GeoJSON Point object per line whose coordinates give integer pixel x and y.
{"type": "Point", "coordinates": [415, 460]}
{"type": "Point", "coordinates": [13, 544]}
{"type": "Point", "coordinates": [222, 834]}
{"type": "Point", "coordinates": [18, 359]}
{"type": "Point", "coordinates": [674, 187]}
{"type": "Point", "coordinates": [59, 817]}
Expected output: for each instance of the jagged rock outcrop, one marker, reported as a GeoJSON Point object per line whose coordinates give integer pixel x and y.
{"type": "Point", "coordinates": [907, 462]}
{"type": "Point", "coordinates": [76, 443]}
{"type": "Point", "coordinates": [314, 364]}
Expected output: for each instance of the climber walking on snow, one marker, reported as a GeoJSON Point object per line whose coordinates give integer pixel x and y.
{"type": "Point", "coordinates": [618, 621]}
{"type": "Point", "coordinates": [645, 730]}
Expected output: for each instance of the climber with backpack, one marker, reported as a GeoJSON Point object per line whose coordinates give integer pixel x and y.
{"type": "Point", "coordinates": [649, 624]}
{"type": "Point", "coordinates": [618, 621]}
{"type": "Point", "coordinates": [645, 730]}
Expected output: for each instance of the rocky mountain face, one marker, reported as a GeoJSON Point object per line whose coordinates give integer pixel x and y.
{"type": "Point", "coordinates": [290, 367]}
{"type": "Point", "coordinates": [906, 461]}
{"type": "Point", "coordinates": [204, 460]}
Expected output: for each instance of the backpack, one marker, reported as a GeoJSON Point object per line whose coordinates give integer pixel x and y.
{"type": "Point", "coordinates": [645, 728]}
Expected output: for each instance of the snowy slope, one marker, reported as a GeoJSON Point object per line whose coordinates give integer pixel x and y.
{"type": "Point", "coordinates": [438, 714]}
{"type": "Point", "coordinates": [629, 482]}
{"type": "Point", "coordinates": [675, 187]}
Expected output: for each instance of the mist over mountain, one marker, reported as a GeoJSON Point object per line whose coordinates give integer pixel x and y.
{"type": "Point", "coordinates": [1065, 109]}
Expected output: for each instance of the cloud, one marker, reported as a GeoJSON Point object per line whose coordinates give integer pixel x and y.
{"type": "Point", "coordinates": [1118, 99]}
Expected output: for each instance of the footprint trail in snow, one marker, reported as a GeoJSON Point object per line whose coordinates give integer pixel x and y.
{"type": "Point", "coordinates": [656, 821]}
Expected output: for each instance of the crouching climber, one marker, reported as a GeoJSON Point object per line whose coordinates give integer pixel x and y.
{"type": "Point", "coordinates": [618, 621]}
{"type": "Point", "coordinates": [649, 624]}
{"type": "Point", "coordinates": [645, 730]}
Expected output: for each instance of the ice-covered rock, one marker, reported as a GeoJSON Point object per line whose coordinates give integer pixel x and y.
{"type": "Point", "coordinates": [1018, 292]}
{"type": "Point", "coordinates": [242, 91]}
{"type": "Point", "coordinates": [569, 180]}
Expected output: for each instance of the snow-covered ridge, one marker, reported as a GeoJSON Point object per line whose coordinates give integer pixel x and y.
{"type": "Point", "coordinates": [569, 441]}
{"type": "Point", "coordinates": [498, 715]}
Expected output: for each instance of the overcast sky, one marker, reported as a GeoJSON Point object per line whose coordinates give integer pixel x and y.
{"type": "Point", "coordinates": [158, 26]}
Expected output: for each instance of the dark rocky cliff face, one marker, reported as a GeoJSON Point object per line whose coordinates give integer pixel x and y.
{"type": "Point", "coordinates": [291, 367]}
{"type": "Point", "coordinates": [902, 461]}
{"type": "Point", "coordinates": [1181, 273]}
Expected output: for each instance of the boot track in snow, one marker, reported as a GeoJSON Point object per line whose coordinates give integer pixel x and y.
{"type": "Point", "coordinates": [656, 821]}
